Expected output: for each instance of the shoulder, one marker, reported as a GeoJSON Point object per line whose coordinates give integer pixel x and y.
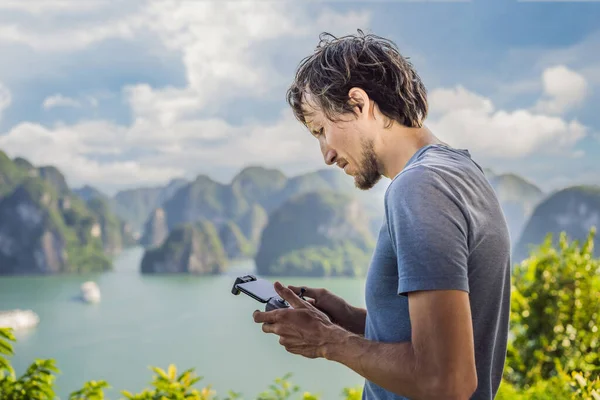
{"type": "Point", "coordinates": [415, 184]}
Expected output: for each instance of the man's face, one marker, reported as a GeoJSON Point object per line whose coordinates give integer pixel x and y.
{"type": "Point", "coordinates": [347, 143]}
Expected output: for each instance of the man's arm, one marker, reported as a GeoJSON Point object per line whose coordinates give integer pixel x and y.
{"type": "Point", "coordinates": [438, 362]}
{"type": "Point", "coordinates": [359, 320]}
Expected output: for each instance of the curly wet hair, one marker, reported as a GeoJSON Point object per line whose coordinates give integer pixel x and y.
{"type": "Point", "coordinates": [367, 61]}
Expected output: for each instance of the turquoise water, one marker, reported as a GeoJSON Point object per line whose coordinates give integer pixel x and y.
{"type": "Point", "coordinates": [157, 320]}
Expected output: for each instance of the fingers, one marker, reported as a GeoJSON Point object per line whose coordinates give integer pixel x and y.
{"type": "Point", "coordinates": [269, 317]}
{"type": "Point", "coordinates": [310, 292]}
{"type": "Point", "coordinates": [289, 296]}
{"type": "Point", "coordinates": [271, 328]}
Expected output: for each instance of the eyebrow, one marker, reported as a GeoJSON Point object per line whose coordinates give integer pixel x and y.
{"type": "Point", "coordinates": [306, 121]}
{"type": "Point", "coordinates": [311, 125]}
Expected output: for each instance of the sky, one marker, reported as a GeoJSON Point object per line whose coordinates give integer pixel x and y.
{"type": "Point", "coordinates": [130, 93]}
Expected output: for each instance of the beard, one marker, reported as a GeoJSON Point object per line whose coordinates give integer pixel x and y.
{"type": "Point", "coordinates": [369, 173]}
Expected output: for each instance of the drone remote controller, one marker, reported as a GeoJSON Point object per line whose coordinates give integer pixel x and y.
{"type": "Point", "coordinates": [260, 290]}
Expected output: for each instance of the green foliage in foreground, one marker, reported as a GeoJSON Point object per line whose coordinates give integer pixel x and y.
{"type": "Point", "coordinates": [555, 305]}
{"type": "Point", "coordinates": [38, 383]}
{"type": "Point", "coordinates": [555, 311]}
{"type": "Point", "coordinates": [553, 351]}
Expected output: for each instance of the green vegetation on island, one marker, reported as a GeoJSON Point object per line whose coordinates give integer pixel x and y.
{"type": "Point", "coordinates": [46, 228]}
{"type": "Point", "coordinates": [320, 233]}
{"type": "Point", "coordinates": [259, 185]}
{"type": "Point", "coordinates": [45, 232]}
{"type": "Point", "coordinates": [204, 198]}
{"type": "Point", "coordinates": [234, 242]}
{"type": "Point", "coordinates": [54, 178]}
{"type": "Point", "coordinates": [11, 174]}
{"type": "Point", "coordinates": [252, 224]}
{"type": "Point", "coordinates": [193, 248]}
{"type": "Point", "coordinates": [117, 234]}
{"type": "Point", "coordinates": [253, 194]}
{"type": "Point", "coordinates": [553, 350]}
{"type": "Point", "coordinates": [135, 205]}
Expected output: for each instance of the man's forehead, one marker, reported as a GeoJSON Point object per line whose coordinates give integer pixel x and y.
{"type": "Point", "coordinates": [309, 109]}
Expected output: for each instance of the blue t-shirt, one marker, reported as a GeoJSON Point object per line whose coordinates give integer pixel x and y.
{"type": "Point", "coordinates": [443, 229]}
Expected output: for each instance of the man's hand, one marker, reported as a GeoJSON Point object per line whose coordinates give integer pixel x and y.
{"type": "Point", "coordinates": [303, 329]}
{"type": "Point", "coordinates": [348, 317]}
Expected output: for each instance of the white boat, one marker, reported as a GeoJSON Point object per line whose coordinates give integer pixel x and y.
{"type": "Point", "coordinates": [90, 292]}
{"type": "Point", "coordinates": [18, 319]}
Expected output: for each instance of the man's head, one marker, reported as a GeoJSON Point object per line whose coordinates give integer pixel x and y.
{"type": "Point", "coordinates": [350, 90]}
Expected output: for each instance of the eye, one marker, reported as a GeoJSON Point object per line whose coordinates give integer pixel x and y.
{"type": "Point", "coordinates": [318, 132]}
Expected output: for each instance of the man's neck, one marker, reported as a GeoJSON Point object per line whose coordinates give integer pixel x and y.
{"type": "Point", "coordinates": [398, 144]}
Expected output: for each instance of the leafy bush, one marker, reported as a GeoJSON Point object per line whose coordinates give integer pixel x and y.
{"type": "Point", "coordinates": [561, 386]}
{"type": "Point", "coordinates": [554, 316]}
{"type": "Point", "coordinates": [38, 383]}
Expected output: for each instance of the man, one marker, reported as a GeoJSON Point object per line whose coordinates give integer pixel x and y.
{"type": "Point", "coordinates": [438, 287]}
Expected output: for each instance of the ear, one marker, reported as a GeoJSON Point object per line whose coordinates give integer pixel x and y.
{"type": "Point", "coordinates": [359, 99]}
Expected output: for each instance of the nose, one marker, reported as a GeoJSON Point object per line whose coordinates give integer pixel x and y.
{"type": "Point", "coordinates": [329, 155]}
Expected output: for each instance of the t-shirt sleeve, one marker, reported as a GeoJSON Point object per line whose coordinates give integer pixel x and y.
{"type": "Point", "coordinates": [429, 232]}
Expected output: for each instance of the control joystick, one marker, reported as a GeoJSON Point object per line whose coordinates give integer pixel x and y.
{"type": "Point", "coordinates": [275, 303]}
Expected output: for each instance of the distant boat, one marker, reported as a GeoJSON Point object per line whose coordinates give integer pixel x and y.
{"type": "Point", "coordinates": [90, 292]}
{"type": "Point", "coordinates": [18, 319]}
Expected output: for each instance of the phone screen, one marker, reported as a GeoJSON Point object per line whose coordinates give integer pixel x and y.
{"type": "Point", "coordinates": [260, 289]}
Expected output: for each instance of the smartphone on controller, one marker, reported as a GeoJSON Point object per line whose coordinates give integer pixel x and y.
{"type": "Point", "coordinates": [260, 290]}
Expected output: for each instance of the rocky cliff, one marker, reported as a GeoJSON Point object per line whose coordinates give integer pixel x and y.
{"type": "Point", "coordinates": [574, 210]}
{"type": "Point", "coordinates": [156, 229]}
{"type": "Point", "coordinates": [117, 234]}
{"type": "Point", "coordinates": [252, 224]}
{"type": "Point", "coordinates": [319, 233]}
{"type": "Point", "coordinates": [193, 248]}
{"type": "Point", "coordinates": [253, 194]}
{"type": "Point", "coordinates": [518, 198]}
{"type": "Point", "coordinates": [47, 228]}
{"type": "Point", "coordinates": [234, 242]}
{"type": "Point", "coordinates": [42, 232]}
{"type": "Point", "coordinates": [135, 205]}
{"type": "Point", "coordinates": [259, 185]}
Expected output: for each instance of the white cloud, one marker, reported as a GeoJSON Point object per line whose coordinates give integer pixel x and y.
{"type": "Point", "coordinates": [51, 26]}
{"type": "Point", "coordinates": [231, 63]}
{"type": "Point", "coordinates": [58, 100]}
{"type": "Point", "coordinates": [5, 98]}
{"type": "Point", "coordinates": [446, 100]}
{"type": "Point", "coordinates": [162, 154]}
{"type": "Point", "coordinates": [69, 148]}
{"type": "Point", "coordinates": [468, 120]}
{"type": "Point", "coordinates": [38, 7]}
{"type": "Point", "coordinates": [67, 39]}
{"type": "Point", "coordinates": [225, 50]}
{"type": "Point", "coordinates": [564, 89]}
